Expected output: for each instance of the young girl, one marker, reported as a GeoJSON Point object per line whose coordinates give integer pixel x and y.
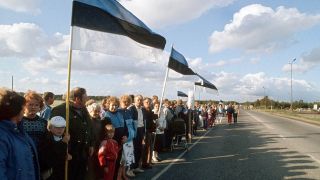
{"type": "Point", "coordinates": [108, 153]}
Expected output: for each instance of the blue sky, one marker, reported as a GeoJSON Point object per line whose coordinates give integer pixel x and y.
{"type": "Point", "coordinates": [241, 46]}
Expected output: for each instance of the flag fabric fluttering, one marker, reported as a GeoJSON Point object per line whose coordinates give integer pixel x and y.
{"type": "Point", "coordinates": [178, 63]}
{"type": "Point", "coordinates": [105, 26]}
{"type": "Point", "coordinates": [181, 94]}
{"type": "Point", "coordinates": [205, 83]}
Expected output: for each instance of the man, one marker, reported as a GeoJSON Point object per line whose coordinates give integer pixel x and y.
{"type": "Point", "coordinates": [80, 130]}
{"type": "Point", "coordinates": [138, 117]}
{"type": "Point", "coordinates": [48, 101]}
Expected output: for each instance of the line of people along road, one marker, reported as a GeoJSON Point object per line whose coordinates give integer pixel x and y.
{"type": "Point", "coordinates": [115, 139]}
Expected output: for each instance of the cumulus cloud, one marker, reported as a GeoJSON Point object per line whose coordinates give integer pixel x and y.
{"type": "Point", "coordinates": [259, 28]}
{"type": "Point", "coordinates": [29, 6]}
{"type": "Point", "coordinates": [163, 13]}
{"type": "Point", "coordinates": [21, 39]}
{"type": "Point", "coordinates": [307, 62]}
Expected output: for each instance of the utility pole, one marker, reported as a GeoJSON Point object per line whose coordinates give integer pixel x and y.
{"type": "Point", "coordinates": [291, 107]}
{"type": "Point", "coordinates": [11, 83]}
{"type": "Point", "coordinates": [264, 96]}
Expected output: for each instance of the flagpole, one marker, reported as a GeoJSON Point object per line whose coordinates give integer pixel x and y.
{"type": "Point", "coordinates": [164, 86]}
{"type": "Point", "coordinates": [68, 97]}
{"type": "Point", "coordinates": [163, 90]}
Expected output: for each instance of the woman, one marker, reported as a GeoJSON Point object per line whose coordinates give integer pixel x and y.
{"type": "Point", "coordinates": [18, 154]}
{"type": "Point", "coordinates": [128, 148]}
{"type": "Point", "coordinates": [121, 132]}
{"type": "Point", "coordinates": [34, 125]}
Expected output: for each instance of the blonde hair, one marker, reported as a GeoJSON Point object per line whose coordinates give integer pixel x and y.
{"type": "Point", "coordinates": [112, 99]}
{"type": "Point", "coordinates": [34, 95]}
{"type": "Point", "coordinates": [109, 128]}
{"type": "Point", "coordinates": [126, 98]}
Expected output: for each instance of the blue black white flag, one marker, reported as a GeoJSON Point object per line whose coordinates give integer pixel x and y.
{"type": "Point", "coordinates": [105, 26]}
{"type": "Point", "coordinates": [178, 63]}
{"type": "Point", "coordinates": [181, 94]}
{"type": "Point", "coordinates": [205, 83]}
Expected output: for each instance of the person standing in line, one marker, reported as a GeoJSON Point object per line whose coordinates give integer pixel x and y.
{"type": "Point", "coordinates": [161, 124]}
{"type": "Point", "coordinates": [80, 130]}
{"type": "Point", "coordinates": [204, 115]}
{"type": "Point", "coordinates": [230, 112]}
{"type": "Point", "coordinates": [35, 126]}
{"type": "Point", "coordinates": [53, 150]}
{"type": "Point", "coordinates": [235, 113]}
{"type": "Point", "coordinates": [139, 120]}
{"type": "Point", "coordinates": [128, 148]}
{"type": "Point", "coordinates": [150, 129]}
{"type": "Point", "coordinates": [94, 170]}
{"type": "Point", "coordinates": [114, 115]}
{"type": "Point", "coordinates": [18, 153]}
{"type": "Point", "coordinates": [108, 153]}
{"type": "Point", "coordinates": [168, 114]}
{"type": "Point", "coordinates": [196, 114]}
{"type": "Point", "coordinates": [220, 112]}
{"type": "Point", "coordinates": [45, 113]}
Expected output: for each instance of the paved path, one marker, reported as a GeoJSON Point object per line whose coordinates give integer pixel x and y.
{"type": "Point", "coordinates": [259, 147]}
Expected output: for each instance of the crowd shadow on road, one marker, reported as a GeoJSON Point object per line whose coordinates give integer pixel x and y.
{"type": "Point", "coordinates": [242, 151]}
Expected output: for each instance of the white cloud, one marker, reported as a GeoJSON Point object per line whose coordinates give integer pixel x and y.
{"type": "Point", "coordinates": [163, 13]}
{"type": "Point", "coordinates": [21, 39]}
{"type": "Point", "coordinates": [30, 6]}
{"type": "Point", "coordinates": [259, 28]}
{"type": "Point", "coordinates": [306, 63]}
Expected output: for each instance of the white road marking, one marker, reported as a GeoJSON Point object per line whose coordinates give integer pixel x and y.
{"type": "Point", "coordinates": [312, 157]}
{"type": "Point", "coordinates": [259, 120]}
{"type": "Point", "coordinates": [178, 158]}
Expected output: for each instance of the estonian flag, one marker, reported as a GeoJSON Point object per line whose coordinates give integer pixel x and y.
{"type": "Point", "coordinates": [205, 83]}
{"type": "Point", "coordinates": [105, 26]}
{"type": "Point", "coordinates": [178, 63]}
{"type": "Point", "coordinates": [182, 94]}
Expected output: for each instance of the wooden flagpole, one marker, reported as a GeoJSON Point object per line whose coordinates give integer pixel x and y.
{"type": "Point", "coordinates": [68, 97]}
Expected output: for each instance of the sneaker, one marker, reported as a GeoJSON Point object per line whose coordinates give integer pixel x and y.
{"type": "Point", "coordinates": [138, 170]}
{"type": "Point", "coordinates": [130, 174]}
{"type": "Point", "coordinates": [154, 159]}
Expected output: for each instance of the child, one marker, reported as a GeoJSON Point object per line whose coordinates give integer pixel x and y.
{"type": "Point", "coordinates": [108, 153]}
{"type": "Point", "coordinates": [53, 150]}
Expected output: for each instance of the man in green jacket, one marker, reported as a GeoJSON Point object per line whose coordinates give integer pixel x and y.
{"type": "Point", "coordinates": [80, 130]}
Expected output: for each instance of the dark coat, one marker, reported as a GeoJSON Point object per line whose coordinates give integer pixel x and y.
{"type": "Point", "coordinates": [80, 130]}
{"type": "Point", "coordinates": [150, 117]}
{"type": "Point", "coordinates": [52, 155]}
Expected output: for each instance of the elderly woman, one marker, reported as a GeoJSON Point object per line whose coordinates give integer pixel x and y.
{"type": "Point", "coordinates": [18, 155]}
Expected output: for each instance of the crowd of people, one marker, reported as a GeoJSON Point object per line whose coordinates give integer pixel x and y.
{"type": "Point", "coordinates": [114, 139]}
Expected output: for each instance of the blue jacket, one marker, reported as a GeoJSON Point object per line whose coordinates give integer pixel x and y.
{"type": "Point", "coordinates": [127, 116]}
{"type": "Point", "coordinates": [18, 155]}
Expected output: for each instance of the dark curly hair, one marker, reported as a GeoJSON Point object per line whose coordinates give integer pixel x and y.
{"type": "Point", "coordinates": [11, 104]}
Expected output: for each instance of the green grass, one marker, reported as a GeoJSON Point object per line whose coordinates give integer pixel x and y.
{"type": "Point", "coordinates": [303, 116]}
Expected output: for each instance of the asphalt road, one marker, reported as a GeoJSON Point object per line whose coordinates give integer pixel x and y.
{"type": "Point", "coordinates": [259, 147]}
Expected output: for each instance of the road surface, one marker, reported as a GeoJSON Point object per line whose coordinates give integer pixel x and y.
{"type": "Point", "coordinates": [260, 146]}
